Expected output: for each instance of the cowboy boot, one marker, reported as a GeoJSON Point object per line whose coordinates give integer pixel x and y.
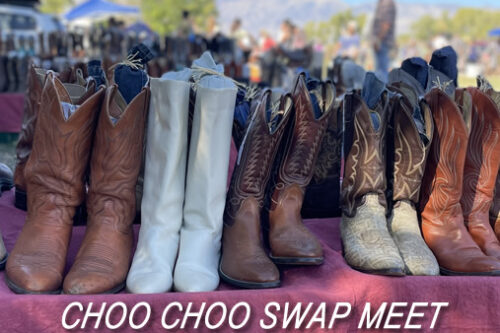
{"type": "Point", "coordinates": [290, 241]}
{"type": "Point", "coordinates": [36, 79]}
{"type": "Point", "coordinates": [368, 245]}
{"type": "Point", "coordinates": [3, 253]}
{"type": "Point", "coordinates": [103, 260]}
{"type": "Point", "coordinates": [486, 87]}
{"type": "Point", "coordinates": [244, 261]}
{"type": "Point", "coordinates": [55, 182]}
{"type": "Point", "coordinates": [164, 181]}
{"type": "Point", "coordinates": [206, 181]}
{"type": "Point", "coordinates": [322, 196]}
{"type": "Point", "coordinates": [4, 82]}
{"type": "Point", "coordinates": [443, 224]}
{"type": "Point", "coordinates": [481, 169]}
{"type": "Point", "coordinates": [412, 133]}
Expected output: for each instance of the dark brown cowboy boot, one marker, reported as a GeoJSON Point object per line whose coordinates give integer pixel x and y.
{"type": "Point", "coordinates": [481, 169]}
{"type": "Point", "coordinates": [55, 179]}
{"type": "Point", "coordinates": [443, 224]}
{"type": "Point", "coordinates": [244, 261]}
{"type": "Point", "coordinates": [73, 80]}
{"type": "Point", "coordinates": [322, 196]}
{"type": "Point", "coordinates": [368, 245]}
{"type": "Point", "coordinates": [102, 263]}
{"type": "Point", "coordinates": [290, 241]}
{"type": "Point", "coordinates": [411, 136]}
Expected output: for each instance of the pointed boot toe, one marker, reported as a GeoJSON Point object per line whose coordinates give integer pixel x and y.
{"type": "Point", "coordinates": [194, 279]}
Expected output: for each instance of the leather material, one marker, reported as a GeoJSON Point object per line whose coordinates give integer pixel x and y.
{"type": "Point", "coordinates": [103, 260]}
{"type": "Point", "coordinates": [164, 181]}
{"type": "Point", "coordinates": [365, 155]}
{"type": "Point", "coordinates": [31, 106]}
{"type": "Point", "coordinates": [486, 87]}
{"type": "Point", "coordinates": [206, 181]}
{"type": "Point", "coordinates": [6, 178]}
{"type": "Point", "coordinates": [288, 237]}
{"type": "Point", "coordinates": [480, 172]}
{"type": "Point", "coordinates": [368, 245]}
{"type": "Point", "coordinates": [443, 225]}
{"type": "Point", "coordinates": [55, 178]}
{"type": "Point", "coordinates": [243, 256]}
{"type": "Point", "coordinates": [36, 79]}
{"type": "Point", "coordinates": [322, 196]}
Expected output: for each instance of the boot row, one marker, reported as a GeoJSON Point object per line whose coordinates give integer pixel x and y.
{"type": "Point", "coordinates": [420, 143]}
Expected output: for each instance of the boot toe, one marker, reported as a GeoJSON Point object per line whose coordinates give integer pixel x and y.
{"type": "Point", "coordinates": [149, 283]}
{"type": "Point", "coordinates": [25, 280]}
{"type": "Point", "coordinates": [76, 284]}
{"type": "Point", "coordinates": [190, 279]}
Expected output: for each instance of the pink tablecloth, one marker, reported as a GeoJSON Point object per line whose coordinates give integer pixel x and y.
{"type": "Point", "coordinates": [11, 112]}
{"type": "Point", "coordinates": [474, 302]}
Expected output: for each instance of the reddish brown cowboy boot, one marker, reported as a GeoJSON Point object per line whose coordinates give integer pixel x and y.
{"type": "Point", "coordinates": [290, 241]}
{"type": "Point", "coordinates": [54, 176]}
{"type": "Point", "coordinates": [481, 169]}
{"type": "Point", "coordinates": [36, 79]}
{"type": "Point", "coordinates": [244, 261]}
{"type": "Point", "coordinates": [443, 224]}
{"type": "Point", "coordinates": [102, 263]}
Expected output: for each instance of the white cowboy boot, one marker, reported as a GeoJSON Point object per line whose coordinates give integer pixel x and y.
{"type": "Point", "coordinates": [208, 161]}
{"type": "Point", "coordinates": [162, 202]}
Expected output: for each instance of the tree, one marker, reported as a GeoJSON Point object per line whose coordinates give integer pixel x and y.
{"type": "Point", "coordinates": [328, 32]}
{"type": "Point", "coordinates": [55, 6]}
{"type": "Point", "coordinates": [164, 16]}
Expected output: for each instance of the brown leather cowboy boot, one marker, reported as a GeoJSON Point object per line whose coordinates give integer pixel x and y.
{"type": "Point", "coordinates": [244, 261]}
{"type": "Point", "coordinates": [368, 245]}
{"type": "Point", "coordinates": [442, 218]}
{"type": "Point", "coordinates": [486, 87]}
{"type": "Point", "coordinates": [290, 241]}
{"type": "Point", "coordinates": [36, 79]}
{"type": "Point", "coordinates": [54, 176]}
{"type": "Point", "coordinates": [412, 133]}
{"type": "Point", "coordinates": [102, 263]}
{"type": "Point", "coordinates": [481, 168]}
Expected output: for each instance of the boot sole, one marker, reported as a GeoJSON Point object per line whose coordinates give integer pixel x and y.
{"type": "Point", "coordinates": [296, 261]}
{"type": "Point", "coordinates": [20, 200]}
{"type": "Point", "coordinates": [18, 290]}
{"type": "Point", "coordinates": [5, 184]}
{"type": "Point", "coordinates": [386, 272]}
{"type": "Point", "coordinates": [113, 290]}
{"type": "Point", "coordinates": [448, 272]}
{"type": "Point", "coordinates": [3, 262]}
{"type": "Point", "coordinates": [248, 285]}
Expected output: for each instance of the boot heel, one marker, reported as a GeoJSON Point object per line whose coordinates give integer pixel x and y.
{"type": "Point", "coordinates": [20, 200]}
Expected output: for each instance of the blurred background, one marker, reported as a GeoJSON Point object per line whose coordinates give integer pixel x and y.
{"type": "Point", "coordinates": [259, 41]}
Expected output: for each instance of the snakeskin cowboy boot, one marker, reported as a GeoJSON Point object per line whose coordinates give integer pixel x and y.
{"type": "Point", "coordinates": [411, 137]}
{"type": "Point", "coordinates": [103, 261]}
{"type": "Point", "coordinates": [368, 245]}
{"type": "Point", "coordinates": [54, 175]}
{"type": "Point", "coordinates": [443, 224]}
{"type": "Point", "coordinates": [244, 261]}
{"type": "Point", "coordinates": [290, 241]}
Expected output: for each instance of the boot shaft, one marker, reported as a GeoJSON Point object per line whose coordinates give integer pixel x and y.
{"type": "Point", "coordinates": [61, 146]}
{"type": "Point", "coordinates": [257, 154]}
{"type": "Point", "coordinates": [364, 151]}
{"type": "Point", "coordinates": [117, 156]}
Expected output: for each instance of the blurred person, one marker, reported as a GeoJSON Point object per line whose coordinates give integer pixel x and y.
{"type": "Point", "coordinates": [285, 34]}
{"type": "Point", "coordinates": [299, 38]}
{"type": "Point", "coordinates": [349, 42]}
{"type": "Point", "coordinates": [266, 42]}
{"type": "Point", "coordinates": [241, 37]}
{"type": "Point", "coordinates": [186, 27]}
{"type": "Point", "coordinates": [213, 29]}
{"type": "Point", "coordinates": [383, 37]}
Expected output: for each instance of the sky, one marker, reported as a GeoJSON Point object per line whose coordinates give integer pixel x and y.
{"type": "Point", "coordinates": [465, 3]}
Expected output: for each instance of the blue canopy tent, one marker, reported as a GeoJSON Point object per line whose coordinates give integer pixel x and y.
{"type": "Point", "coordinates": [96, 8]}
{"type": "Point", "coordinates": [494, 32]}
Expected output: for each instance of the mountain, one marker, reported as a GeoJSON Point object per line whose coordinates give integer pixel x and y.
{"type": "Point", "coordinates": [268, 14]}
